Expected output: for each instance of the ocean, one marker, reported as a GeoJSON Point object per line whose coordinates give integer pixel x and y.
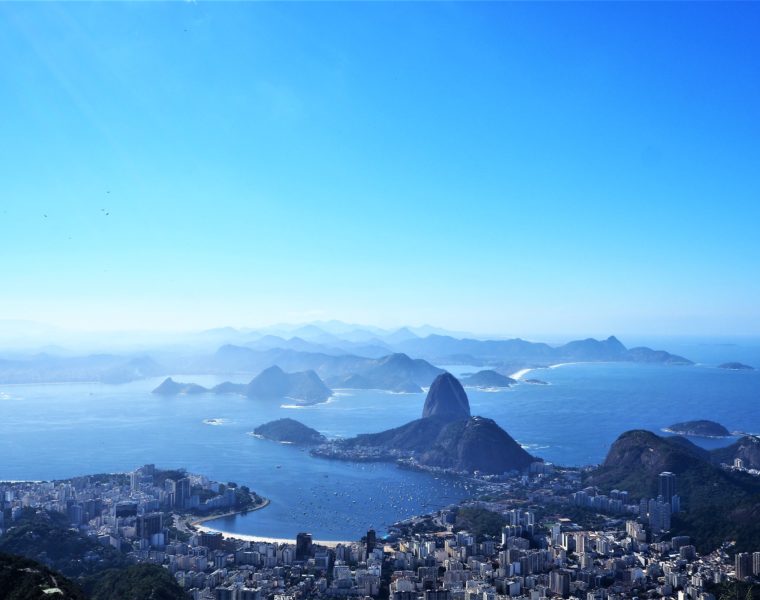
{"type": "Point", "coordinates": [64, 430]}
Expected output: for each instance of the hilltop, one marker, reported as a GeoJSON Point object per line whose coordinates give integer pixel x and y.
{"type": "Point", "coordinates": [271, 383]}
{"type": "Point", "coordinates": [25, 579]}
{"type": "Point", "coordinates": [487, 379]}
{"type": "Point", "coordinates": [747, 448]}
{"type": "Point", "coordinates": [717, 504]}
{"type": "Point", "coordinates": [290, 431]}
{"type": "Point", "coordinates": [169, 387]}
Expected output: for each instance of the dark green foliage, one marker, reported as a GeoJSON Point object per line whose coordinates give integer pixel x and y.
{"type": "Point", "coordinates": [108, 478]}
{"type": "Point", "coordinates": [586, 518]}
{"type": "Point", "coordinates": [136, 582]}
{"type": "Point", "coordinates": [46, 538]}
{"type": "Point", "coordinates": [160, 476]}
{"type": "Point", "coordinates": [480, 522]}
{"type": "Point", "coordinates": [467, 445]}
{"type": "Point", "coordinates": [700, 427]}
{"type": "Point", "coordinates": [476, 444]}
{"type": "Point", "coordinates": [717, 505]}
{"type": "Point", "coordinates": [24, 579]}
{"type": "Point", "coordinates": [747, 448]}
{"type": "Point", "coordinates": [734, 590]}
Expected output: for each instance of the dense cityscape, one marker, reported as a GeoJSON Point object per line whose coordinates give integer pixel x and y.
{"type": "Point", "coordinates": [527, 540]}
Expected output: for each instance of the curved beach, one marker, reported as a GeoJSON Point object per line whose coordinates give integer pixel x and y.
{"type": "Point", "coordinates": [197, 524]}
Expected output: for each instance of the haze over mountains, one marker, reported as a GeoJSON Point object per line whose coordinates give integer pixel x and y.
{"type": "Point", "coordinates": [344, 356]}
{"type": "Point", "coordinates": [271, 383]}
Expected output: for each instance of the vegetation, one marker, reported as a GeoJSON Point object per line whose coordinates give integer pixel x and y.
{"type": "Point", "coordinates": [734, 590]}
{"type": "Point", "coordinates": [45, 537]}
{"type": "Point", "coordinates": [24, 579]}
{"type": "Point", "coordinates": [717, 505]}
{"type": "Point", "coordinates": [289, 430]}
{"type": "Point", "coordinates": [480, 522]}
{"type": "Point", "coordinates": [136, 582]}
{"type": "Point", "coordinates": [586, 518]}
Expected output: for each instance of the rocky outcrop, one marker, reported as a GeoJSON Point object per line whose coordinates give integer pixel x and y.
{"type": "Point", "coordinates": [446, 400]}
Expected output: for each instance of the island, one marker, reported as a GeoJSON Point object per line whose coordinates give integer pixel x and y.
{"type": "Point", "coordinates": [736, 366]}
{"type": "Point", "coordinates": [305, 387]}
{"type": "Point", "coordinates": [289, 431]}
{"type": "Point", "coordinates": [487, 379]}
{"type": "Point", "coordinates": [699, 428]}
{"type": "Point", "coordinates": [169, 387]}
{"type": "Point", "coordinates": [535, 381]}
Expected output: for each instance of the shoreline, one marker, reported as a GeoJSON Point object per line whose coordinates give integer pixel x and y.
{"type": "Point", "coordinates": [197, 524]}
{"type": "Point", "coordinates": [698, 435]}
{"type": "Point", "coordinates": [518, 375]}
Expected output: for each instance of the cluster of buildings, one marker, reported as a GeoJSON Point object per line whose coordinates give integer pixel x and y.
{"type": "Point", "coordinates": [539, 554]}
{"type": "Point", "coordinates": [656, 511]}
{"type": "Point", "coordinates": [559, 560]}
{"type": "Point", "coordinates": [739, 465]}
{"type": "Point", "coordinates": [131, 512]}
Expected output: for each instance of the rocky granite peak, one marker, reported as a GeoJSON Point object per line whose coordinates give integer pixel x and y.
{"type": "Point", "coordinates": [446, 399]}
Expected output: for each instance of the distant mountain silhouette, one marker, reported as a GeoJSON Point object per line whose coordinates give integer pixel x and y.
{"type": "Point", "coordinates": [169, 387]}
{"type": "Point", "coordinates": [271, 383]}
{"type": "Point", "coordinates": [106, 368]}
{"type": "Point", "coordinates": [736, 366]}
{"type": "Point", "coordinates": [515, 351]}
{"type": "Point", "coordinates": [487, 379]}
{"type": "Point", "coordinates": [394, 372]}
{"type": "Point", "coordinates": [275, 383]}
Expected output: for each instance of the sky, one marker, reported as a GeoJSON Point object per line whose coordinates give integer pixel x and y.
{"type": "Point", "coordinates": [515, 168]}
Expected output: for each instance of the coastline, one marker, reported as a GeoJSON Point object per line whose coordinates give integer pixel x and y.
{"type": "Point", "coordinates": [698, 435]}
{"type": "Point", "coordinates": [197, 524]}
{"type": "Point", "coordinates": [518, 375]}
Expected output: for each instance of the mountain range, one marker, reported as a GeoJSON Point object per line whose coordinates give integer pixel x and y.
{"type": "Point", "coordinates": [400, 360]}
{"type": "Point", "coordinates": [271, 383]}
{"type": "Point", "coordinates": [394, 372]}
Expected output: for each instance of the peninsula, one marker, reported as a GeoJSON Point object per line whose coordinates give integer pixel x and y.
{"type": "Point", "coordinates": [446, 438]}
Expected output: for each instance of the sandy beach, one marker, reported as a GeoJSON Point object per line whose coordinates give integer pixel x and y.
{"type": "Point", "coordinates": [523, 372]}
{"type": "Point", "coordinates": [197, 524]}
{"type": "Point", "coordinates": [270, 540]}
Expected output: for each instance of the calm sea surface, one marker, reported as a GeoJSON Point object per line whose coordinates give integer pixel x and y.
{"type": "Point", "coordinates": [58, 431]}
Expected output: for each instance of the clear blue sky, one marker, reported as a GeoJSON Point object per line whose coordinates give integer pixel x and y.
{"type": "Point", "coordinates": [513, 168]}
